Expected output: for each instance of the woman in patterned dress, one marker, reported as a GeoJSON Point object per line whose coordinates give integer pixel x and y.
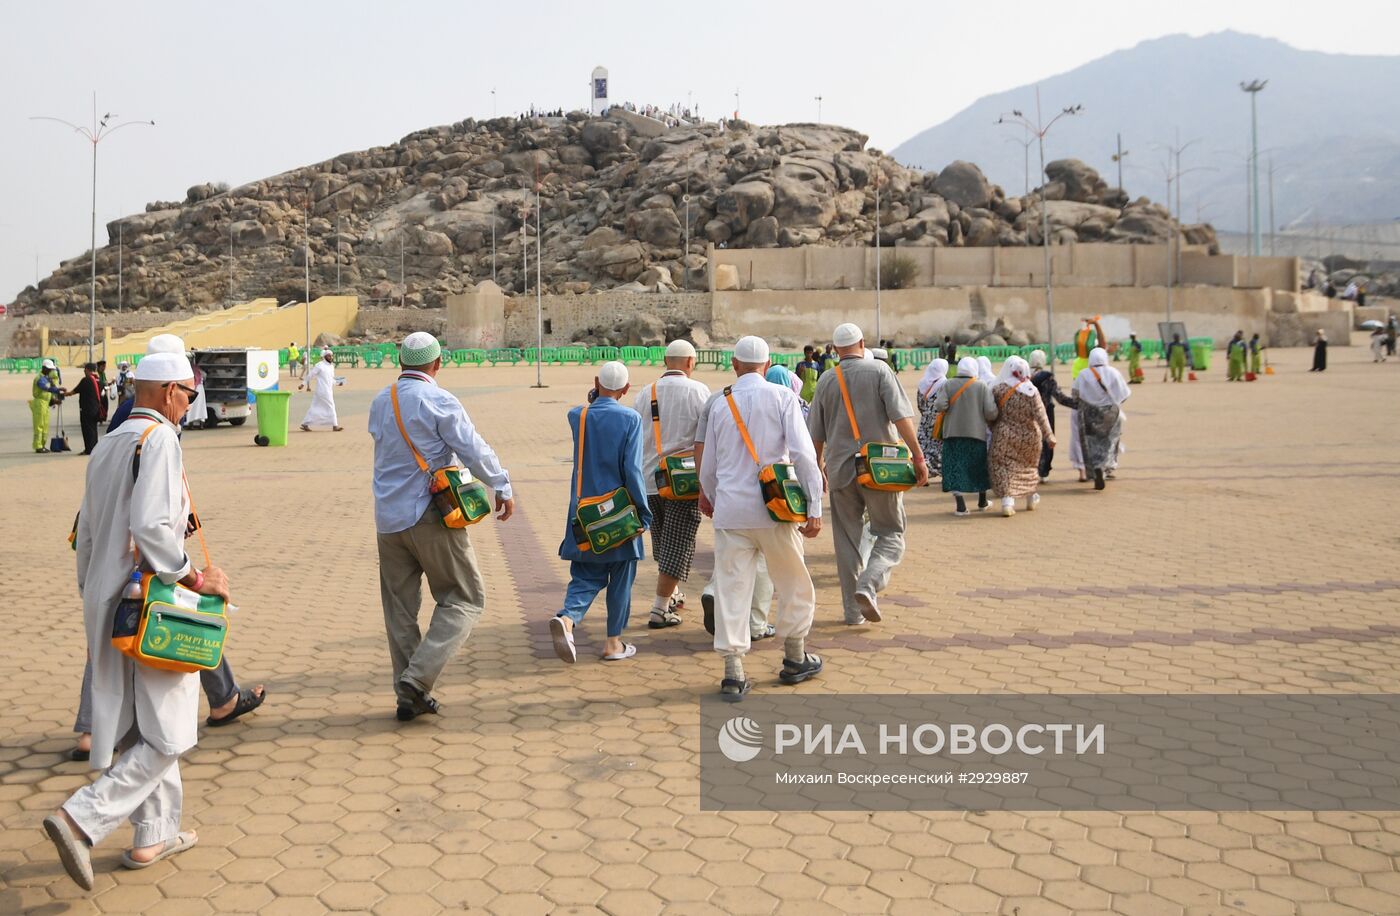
{"type": "Point", "coordinates": [969, 408]}
{"type": "Point", "coordinates": [1014, 457]}
{"type": "Point", "coordinates": [934, 378]}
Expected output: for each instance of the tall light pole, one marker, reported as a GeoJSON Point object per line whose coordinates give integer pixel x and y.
{"type": "Point", "coordinates": [1271, 207]}
{"type": "Point", "coordinates": [819, 108]}
{"type": "Point", "coordinates": [99, 131]}
{"type": "Point", "coordinates": [493, 101]}
{"type": "Point", "coordinates": [1254, 87]}
{"type": "Point", "coordinates": [879, 173]}
{"type": "Point", "coordinates": [736, 101]}
{"type": "Point", "coordinates": [1173, 171]}
{"type": "Point", "coordinates": [337, 254]}
{"type": "Point", "coordinates": [1040, 129]}
{"type": "Point", "coordinates": [1118, 158]}
{"type": "Point", "coordinates": [1025, 159]}
{"type": "Point", "coordinates": [539, 286]}
{"type": "Point", "coordinates": [119, 259]}
{"type": "Point", "coordinates": [230, 262]}
{"type": "Point", "coordinates": [306, 259]}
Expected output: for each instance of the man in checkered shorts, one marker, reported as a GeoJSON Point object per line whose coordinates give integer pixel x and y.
{"type": "Point", "coordinates": [679, 400]}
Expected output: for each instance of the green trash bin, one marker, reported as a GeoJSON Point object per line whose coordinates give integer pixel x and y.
{"type": "Point", "coordinates": [1200, 356]}
{"type": "Point", "coordinates": [273, 408]}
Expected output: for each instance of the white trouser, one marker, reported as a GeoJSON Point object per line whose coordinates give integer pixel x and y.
{"type": "Point", "coordinates": [762, 601]}
{"type": "Point", "coordinates": [143, 785]}
{"type": "Point", "coordinates": [737, 552]}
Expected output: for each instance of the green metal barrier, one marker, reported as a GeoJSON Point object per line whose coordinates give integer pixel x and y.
{"type": "Point", "coordinates": [503, 355]}
{"type": "Point", "coordinates": [576, 355]}
{"type": "Point", "coordinates": [637, 356]}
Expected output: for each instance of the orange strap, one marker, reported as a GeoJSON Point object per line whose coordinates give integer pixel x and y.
{"type": "Point", "coordinates": [398, 418]}
{"type": "Point", "coordinates": [656, 420]}
{"type": "Point", "coordinates": [850, 411]}
{"type": "Point", "coordinates": [582, 428]}
{"type": "Point", "coordinates": [739, 422]}
{"type": "Point", "coordinates": [1001, 401]}
{"type": "Point", "coordinates": [199, 529]}
{"type": "Point", "coordinates": [1097, 379]}
{"type": "Point", "coordinates": [959, 393]}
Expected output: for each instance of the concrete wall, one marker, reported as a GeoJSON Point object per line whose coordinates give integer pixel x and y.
{"type": "Point", "coordinates": [919, 316]}
{"type": "Point", "coordinates": [1087, 265]}
{"type": "Point", "coordinates": [478, 318]}
{"type": "Point", "coordinates": [569, 317]}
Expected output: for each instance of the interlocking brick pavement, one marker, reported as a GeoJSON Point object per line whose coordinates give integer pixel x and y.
{"type": "Point", "coordinates": [1247, 546]}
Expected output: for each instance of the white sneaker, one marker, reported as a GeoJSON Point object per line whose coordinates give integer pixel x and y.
{"type": "Point", "coordinates": [1008, 507]}
{"type": "Point", "coordinates": [1032, 501]}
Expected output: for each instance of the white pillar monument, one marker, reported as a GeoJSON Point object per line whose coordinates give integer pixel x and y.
{"type": "Point", "coordinates": [600, 90]}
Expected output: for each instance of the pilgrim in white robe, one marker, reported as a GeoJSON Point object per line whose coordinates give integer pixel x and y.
{"type": "Point", "coordinates": [152, 714]}
{"type": "Point", "coordinates": [322, 409]}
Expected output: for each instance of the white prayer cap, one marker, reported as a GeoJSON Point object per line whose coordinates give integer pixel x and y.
{"type": "Point", "coordinates": [48, 364]}
{"type": "Point", "coordinates": [847, 335]}
{"type": "Point", "coordinates": [419, 349]}
{"type": "Point", "coordinates": [751, 350]}
{"type": "Point", "coordinates": [1037, 359]}
{"type": "Point", "coordinates": [680, 349]}
{"type": "Point", "coordinates": [165, 343]}
{"type": "Point", "coordinates": [613, 376]}
{"type": "Point", "coordinates": [164, 367]}
{"type": "Point", "coordinates": [878, 353]}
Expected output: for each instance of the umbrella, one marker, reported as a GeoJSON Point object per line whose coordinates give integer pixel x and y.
{"type": "Point", "coordinates": [1370, 325]}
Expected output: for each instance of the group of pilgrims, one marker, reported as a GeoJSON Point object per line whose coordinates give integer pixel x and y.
{"type": "Point", "coordinates": [761, 458]}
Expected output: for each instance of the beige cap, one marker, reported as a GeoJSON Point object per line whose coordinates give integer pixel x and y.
{"type": "Point", "coordinates": [681, 349]}
{"type": "Point", "coordinates": [847, 335]}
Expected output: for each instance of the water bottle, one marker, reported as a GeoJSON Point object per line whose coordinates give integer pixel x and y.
{"type": "Point", "coordinates": [128, 616]}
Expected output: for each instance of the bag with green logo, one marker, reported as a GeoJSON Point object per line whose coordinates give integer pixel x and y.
{"type": "Point", "coordinates": [602, 522]}
{"type": "Point", "coordinates": [460, 503]}
{"type": "Point", "coordinates": [170, 627]}
{"type": "Point", "coordinates": [676, 476]}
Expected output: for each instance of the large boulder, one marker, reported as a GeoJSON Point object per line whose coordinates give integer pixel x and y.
{"type": "Point", "coordinates": [800, 203]}
{"type": "Point", "coordinates": [964, 184]}
{"type": "Point", "coordinates": [604, 136]}
{"type": "Point", "coordinates": [745, 202]}
{"type": "Point", "coordinates": [655, 227]}
{"type": "Point", "coordinates": [763, 233]}
{"type": "Point", "coordinates": [1081, 183]}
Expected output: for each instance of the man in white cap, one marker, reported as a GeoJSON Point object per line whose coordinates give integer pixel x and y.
{"type": "Point", "coordinates": [322, 409]}
{"type": "Point", "coordinates": [611, 458]}
{"type": "Point", "coordinates": [135, 516]}
{"type": "Point", "coordinates": [669, 428]}
{"type": "Point", "coordinates": [160, 343]}
{"type": "Point", "coordinates": [744, 531]}
{"type": "Point", "coordinates": [414, 419]}
{"type": "Point", "coordinates": [45, 392]}
{"type": "Point", "coordinates": [880, 407]}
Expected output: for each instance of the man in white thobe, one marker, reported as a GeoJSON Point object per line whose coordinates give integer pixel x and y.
{"type": "Point", "coordinates": [322, 409]}
{"type": "Point", "coordinates": [744, 531]}
{"type": "Point", "coordinates": [148, 714]}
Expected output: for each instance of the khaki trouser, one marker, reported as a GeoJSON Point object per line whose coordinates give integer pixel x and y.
{"type": "Point", "coordinates": [857, 571]}
{"type": "Point", "coordinates": [142, 786]}
{"type": "Point", "coordinates": [446, 557]}
{"type": "Point", "coordinates": [762, 601]}
{"type": "Point", "coordinates": [737, 551]}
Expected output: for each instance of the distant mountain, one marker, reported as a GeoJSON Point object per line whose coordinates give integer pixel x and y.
{"type": "Point", "coordinates": [1330, 123]}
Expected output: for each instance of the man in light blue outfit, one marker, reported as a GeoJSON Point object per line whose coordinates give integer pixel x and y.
{"type": "Point", "coordinates": [413, 541]}
{"type": "Point", "coordinates": [612, 458]}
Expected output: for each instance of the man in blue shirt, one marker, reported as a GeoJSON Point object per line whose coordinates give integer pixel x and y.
{"type": "Point", "coordinates": [611, 459]}
{"type": "Point", "coordinates": [413, 541]}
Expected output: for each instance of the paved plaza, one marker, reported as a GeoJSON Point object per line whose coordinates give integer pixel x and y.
{"type": "Point", "coordinates": [1249, 545]}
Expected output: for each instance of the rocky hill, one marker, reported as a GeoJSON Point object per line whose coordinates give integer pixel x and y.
{"type": "Point", "coordinates": [616, 210]}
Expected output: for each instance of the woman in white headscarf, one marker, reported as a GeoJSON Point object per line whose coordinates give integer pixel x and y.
{"type": "Point", "coordinates": [1013, 460]}
{"type": "Point", "coordinates": [934, 378]}
{"type": "Point", "coordinates": [985, 372]}
{"type": "Point", "coordinates": [968, 407]}
{"type": "Point", "coordinates": [1098, 393]}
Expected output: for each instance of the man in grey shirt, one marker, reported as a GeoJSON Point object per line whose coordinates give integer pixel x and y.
{"type": "Point", "coordinates": [878, 404]}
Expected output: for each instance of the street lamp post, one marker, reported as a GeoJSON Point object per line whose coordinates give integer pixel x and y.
{"type": "Point", "coordinates": [819, 108]}
{"type": "Point", "coordinates": [878, 175]}
{"type": "Point", "coordinates": [539, 288]}
{"type": "Point", "coordinates": [119, 258]}
{"type": "Point", "coordinates": [1025, 159]}
{"type": "Point", "coordinates": [99, 131]}
{"type": "Point", "coordinates": [1040, 129]}
{"type": "Point", "coordinates": [1254, 87]}
{"type": "Point", "coordinates": [1118, 158]}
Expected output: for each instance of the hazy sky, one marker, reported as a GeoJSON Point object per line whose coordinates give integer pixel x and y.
{"type": "Point", "coordinates": [242, 90]}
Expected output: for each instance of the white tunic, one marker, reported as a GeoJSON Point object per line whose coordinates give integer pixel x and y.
{"type": "Point", "coordinates": [150, 512]}
{"type": "Point", "coordinates": [322, 409]}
